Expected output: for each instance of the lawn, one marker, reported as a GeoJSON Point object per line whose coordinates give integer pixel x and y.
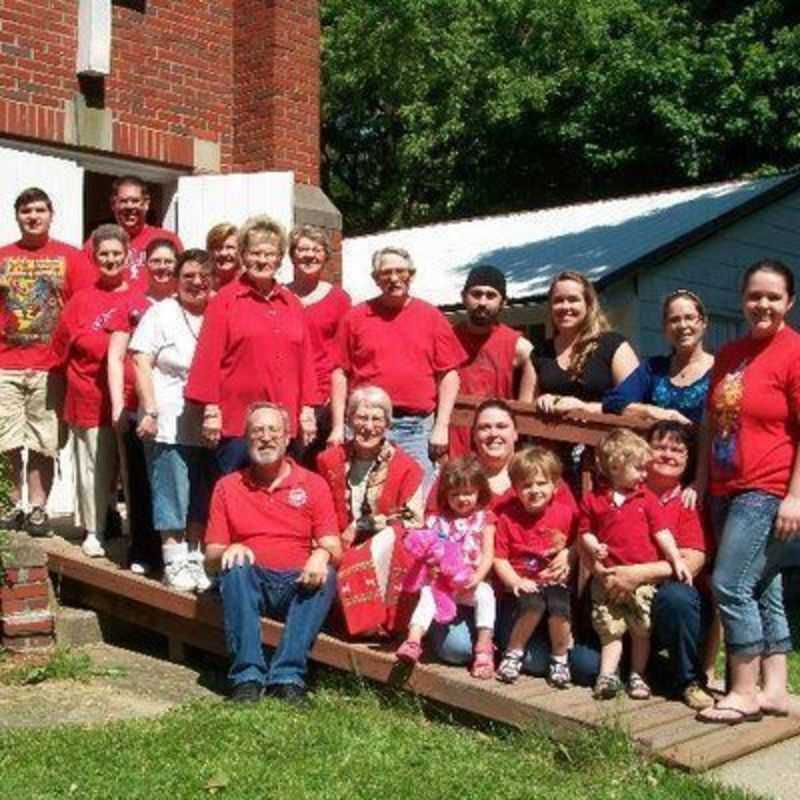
{"type": "Point", "coordinates": [349, 742]}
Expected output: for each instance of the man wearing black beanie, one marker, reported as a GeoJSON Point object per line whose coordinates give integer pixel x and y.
{"type": "Point", "coordinates": [494, 350]}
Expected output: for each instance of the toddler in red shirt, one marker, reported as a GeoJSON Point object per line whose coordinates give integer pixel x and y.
{"type": "Point", "coordinates": [621, 523]}
{"type": "Point", "coordinates": [531, 530]}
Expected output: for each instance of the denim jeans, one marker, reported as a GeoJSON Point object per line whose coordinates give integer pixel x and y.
{"type": "Point", "coordinates": [413, 435]}
{"type": "Point", "coordinates": [248, 593]}
{"type": "Point", "coordinates": [681, 618]}
{"type": "Point", "coordinates": [453, 644]}
{"type": "Point", "coordinates": [751, 608]}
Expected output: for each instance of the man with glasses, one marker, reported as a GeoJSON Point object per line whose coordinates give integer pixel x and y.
{"type": "Point", "coordinates": [407, 347]}
{"type": "Point", "coordinates": [130, 202]}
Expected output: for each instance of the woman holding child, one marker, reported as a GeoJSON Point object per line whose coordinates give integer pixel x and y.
{"type": "Point", "coordinates": [377, 493]}
{"type": "Point", "coordinates": [750, 465]}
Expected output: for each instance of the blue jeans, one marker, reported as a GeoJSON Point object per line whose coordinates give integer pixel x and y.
{"type": "Point", "coordinates": [413, 435]}
{"type": "Point", "coordinates": [681, 617]}
{"type": "Point", "coordinates": [180, 479]}
{"type": "Point", "coordinates": [453, 644]}
{"type": "Point", "coordinates": [751, 608]}
{"type": "Point", "coordinates": [250, 592]}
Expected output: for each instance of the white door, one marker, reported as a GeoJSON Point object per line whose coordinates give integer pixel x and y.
{"type": "Point", "coordinates": [202, 201]}
{"type": "Point", "coordinates": [61, 178]}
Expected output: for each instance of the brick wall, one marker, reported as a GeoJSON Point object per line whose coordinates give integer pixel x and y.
{"type": "Point", "coordinates": [26, 622]}
{"type": "Point", "coordinates": [276, 87]}
{"type": "Point", "coordinates": [243, 74]}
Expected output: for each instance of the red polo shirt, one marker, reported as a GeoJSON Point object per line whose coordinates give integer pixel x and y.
{"type": "Point", "coordinates": [137, 252]}
{"type": "Point", "coordinates": [523, 538]}
{"type": "Point", "coordinates": [34, 286]}
{"type": "Point", "coordinates": [627, 530]}
{"type": "Point", "coordinates": [404, 351]}
{"type": "Point", "coordinates": [253, 348]}
{"type": "Point", "coordinates": [280, 525]}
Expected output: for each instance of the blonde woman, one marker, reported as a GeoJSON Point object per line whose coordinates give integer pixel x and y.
{"type": "Point", "coordinates": [584, 358]}
{"type": "Point", "coordinates": [222, 243]}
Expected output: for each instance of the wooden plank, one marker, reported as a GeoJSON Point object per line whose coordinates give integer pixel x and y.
{"type": "Point", "coordinates": [726, 744]}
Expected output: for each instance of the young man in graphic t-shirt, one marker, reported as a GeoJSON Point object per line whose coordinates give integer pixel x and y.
{"type": "Point", "coordinates": [130, 202]}
{"type": "Point", "coordinates": [37, 275]}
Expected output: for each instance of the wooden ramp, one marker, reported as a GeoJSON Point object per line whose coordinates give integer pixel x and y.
{"type": "Point", "coordinates": [661, 728]}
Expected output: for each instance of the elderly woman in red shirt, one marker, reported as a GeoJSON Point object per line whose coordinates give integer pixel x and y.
{"type": "Point", "coordinates": [255, 345]}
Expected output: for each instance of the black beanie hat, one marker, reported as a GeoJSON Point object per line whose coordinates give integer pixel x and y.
{"type": "Point", "coordinates": [486, 275]}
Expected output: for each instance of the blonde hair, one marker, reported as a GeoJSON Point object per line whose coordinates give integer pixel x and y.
{"type": "Point", "coordinates": [621, 446]}
{"type": "Point", "coordinates": [262, 225]}
{"type": "Point", "coordinates": [532, 460]}
{"type": "Point", "coordinates": [372, 396]}
{"type": "Point", "coordinates": [312, 232]}
{"type": "Point", "coordinates": [218, 234]}
{"type": "Point", "coordinates": [594, 324]}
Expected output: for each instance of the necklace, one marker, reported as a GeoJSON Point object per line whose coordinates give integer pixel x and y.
{"type": "Point", "coordinates": [188, 322]}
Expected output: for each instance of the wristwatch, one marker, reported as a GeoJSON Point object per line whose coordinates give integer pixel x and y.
{"type": "Point", "coordinates": [151, 414]}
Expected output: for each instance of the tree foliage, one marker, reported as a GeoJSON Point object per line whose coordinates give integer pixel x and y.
{"type": "Point", "coordinates": [436, 109]}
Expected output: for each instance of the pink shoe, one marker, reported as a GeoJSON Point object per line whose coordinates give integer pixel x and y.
{"type": "Point", "coordinates": [409, 652]}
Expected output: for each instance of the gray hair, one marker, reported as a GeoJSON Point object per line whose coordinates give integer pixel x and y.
{"type": "Point", "coordinates": [372, 396]}
{"type": "Point", "coordinates": [262, 225]}
{"type": "Point", "coordinates": [263, 405]}
{"type": "Point", "coordinates": [110, 232]}
{"type": "Point", "coordinates": [378, 255]}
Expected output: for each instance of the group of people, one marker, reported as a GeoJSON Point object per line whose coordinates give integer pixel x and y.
{"type": "Point", "coordinates": [301, 450]}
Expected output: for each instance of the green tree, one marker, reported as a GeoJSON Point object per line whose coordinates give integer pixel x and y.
{"type": "Point", "coordinates": [434, 109]}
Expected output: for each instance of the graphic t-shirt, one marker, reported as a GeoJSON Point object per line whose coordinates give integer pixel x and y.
{"type": "Point", "coordinates": [34, 285]}
{"type": "Point", "coordinates": [754, 409]}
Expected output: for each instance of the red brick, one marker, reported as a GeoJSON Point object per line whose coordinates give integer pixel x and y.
{"type": "Point", "coordinates": [23, 591]}
{"type": "Point", "coordinates": [18, 625]}
{"type": "Point", "coordinates": [26, 575]}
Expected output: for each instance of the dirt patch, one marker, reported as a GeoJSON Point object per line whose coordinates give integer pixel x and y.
{"type": "Point", "coordinates": [131, 685]}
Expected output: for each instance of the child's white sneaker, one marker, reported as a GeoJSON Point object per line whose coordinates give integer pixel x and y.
{"type": "Point", "coordinates": [93, 546]}
{"type": "Point", "coordinates": [197, 569]}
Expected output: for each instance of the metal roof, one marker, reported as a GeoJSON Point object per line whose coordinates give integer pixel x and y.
{"type": "Point", "coordinates": [603, 240]}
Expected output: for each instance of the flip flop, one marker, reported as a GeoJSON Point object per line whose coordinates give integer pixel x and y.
{"type": "Point", "coordinates": [741, 716]}
{"type": "Point", "coordinates": [775, 712]}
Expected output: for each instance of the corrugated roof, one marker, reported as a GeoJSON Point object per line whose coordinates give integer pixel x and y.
{"type": "Point", "coordinates": [601, 239]}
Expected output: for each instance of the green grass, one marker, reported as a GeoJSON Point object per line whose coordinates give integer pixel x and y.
{"type": "Point", "coordinates": [62, 665]}
{"type": "Point", "coordinates": [350, 742]}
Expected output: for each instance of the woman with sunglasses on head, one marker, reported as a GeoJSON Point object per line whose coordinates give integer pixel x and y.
{"type": "Point", "coordinates": [671, 386]}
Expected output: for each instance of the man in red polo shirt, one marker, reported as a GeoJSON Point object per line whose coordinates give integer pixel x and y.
{"type": "Point", "coordinates": [130, 202]}
{"type": "Point", "coordinates": [37, 275]}
{"type": "Point", "coordinates": [407, 347]}
{"type": "Point", "coordinates": [494, 351]}
{"type": "Point", "coordinates": [272, 530]}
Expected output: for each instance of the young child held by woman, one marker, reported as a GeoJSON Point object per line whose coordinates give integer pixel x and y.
{"type": "Point", "coordinates": [623, 523]}
{"type": "Point", "coordinates": [463, 495]}
{"type": "Point", "coordinates": [531, 530]}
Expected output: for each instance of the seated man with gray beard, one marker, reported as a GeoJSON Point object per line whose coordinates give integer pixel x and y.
{"type": "Point", "coordinates": [272, 532]}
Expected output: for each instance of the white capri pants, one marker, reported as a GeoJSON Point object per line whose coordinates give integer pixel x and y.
{"type": "Point", "coordinates": [481, 598]}
{"type": "Point", "coordinates": [95, 453]}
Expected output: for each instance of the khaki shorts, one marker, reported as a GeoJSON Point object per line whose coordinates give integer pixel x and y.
{"type": "Point", "coordinates": [30, 405]}
{"type": "Point", "coordinates": [612, 620]}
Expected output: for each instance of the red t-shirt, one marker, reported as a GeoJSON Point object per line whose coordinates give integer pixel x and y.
{"type": "Point", "coordinates": [488, 372]}
{"type": "Point", "coordinates": [137, 253]}
{"type": "Point", "coordinates": [133, 306]}
{"type": "Point", "coordinates": [253, 348]}
{"type": "Point", "coordinates": [34, 286]}
{"type": "Point", "coordinates": [754, 411]}
{"type": "Point", "coordinates": [279, 526]}
{"type": "Point", "coordinates": [323, 319]}
{"type": "Point", "coordinates": [627, 530]}
{"type": "Point", "coordinates": [401, 350]}
{"type": "Point", "coordinates": [80, 343]}
{"type": "Point", "coordinates": [524, 538]}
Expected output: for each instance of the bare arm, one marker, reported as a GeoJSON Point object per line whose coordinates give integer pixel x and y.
{"type": "Point", "coordinates": [338, 402]}
{"type": "Point", "coordinates": [143, 369]}
{"type": "Point", "coordinates": [117, 348]}
{"type": "Point", "coordinates": [527, 378]}
{"type": "Point", "coordinates": [448, 392]}
{"type": "Point", "coordinates": [487, 557]}
{"type": "Point", "coordinates": [666, 541]}
{"type": "Point", "coordinates": [623, 363]}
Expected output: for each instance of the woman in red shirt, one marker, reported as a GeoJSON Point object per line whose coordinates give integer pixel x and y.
{"type": "Point", "coordinates": [80, 344]}
{"type": "Point", "coordinates": [750, 466]}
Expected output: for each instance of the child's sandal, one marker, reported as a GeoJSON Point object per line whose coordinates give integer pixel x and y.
{"type": "Point", "coordinates": [483, 662]}
{"type": "Point", "coordinates": [637, 688]}
{"type": "Point", "coordinates": [409, 652]}
{"type": "Point", "coordinates": [511, 666]}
